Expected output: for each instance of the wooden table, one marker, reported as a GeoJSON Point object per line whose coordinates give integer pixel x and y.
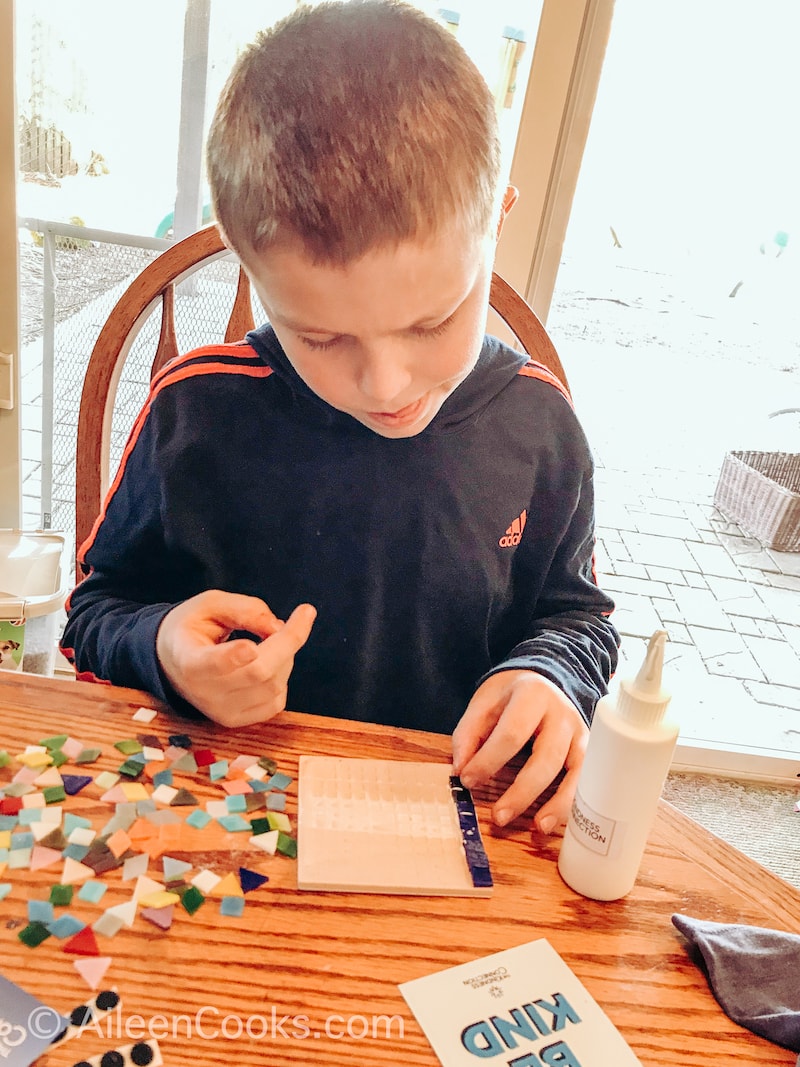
{"type": "Point", "coordinates": [325, 964]}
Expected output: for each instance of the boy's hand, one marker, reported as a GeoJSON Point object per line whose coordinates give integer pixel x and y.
{"type": "Point", "coordinates": [235, 683]}
{"type": "Point", "coordinates": [508, 710]}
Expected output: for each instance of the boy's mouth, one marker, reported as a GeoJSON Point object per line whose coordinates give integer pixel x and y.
{"type": "Point", "coordinates": [402, 417]}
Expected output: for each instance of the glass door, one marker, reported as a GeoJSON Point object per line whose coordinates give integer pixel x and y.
{"type": "Point", "coordinates": [675, 312]}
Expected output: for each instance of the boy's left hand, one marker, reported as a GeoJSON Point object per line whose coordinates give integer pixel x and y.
{"type": "Point", "coordinates": [506, 711]}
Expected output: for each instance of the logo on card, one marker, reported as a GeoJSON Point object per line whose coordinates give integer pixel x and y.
{"type": "Point", "coordinates": [490, 978]}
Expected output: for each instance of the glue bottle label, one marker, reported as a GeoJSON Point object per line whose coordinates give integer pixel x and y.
{"type": "Point", "coordinates": [596, 832]}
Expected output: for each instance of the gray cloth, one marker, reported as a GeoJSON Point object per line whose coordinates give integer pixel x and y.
{"type": "Point", "coordinates": [754, 973]}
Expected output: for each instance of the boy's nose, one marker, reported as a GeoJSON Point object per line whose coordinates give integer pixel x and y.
{"type": "Point", "coordinates": [384, 378]}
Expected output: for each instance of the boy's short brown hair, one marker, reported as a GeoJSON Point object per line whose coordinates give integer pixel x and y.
{"type": "Point", "coordinates": [352, 125]}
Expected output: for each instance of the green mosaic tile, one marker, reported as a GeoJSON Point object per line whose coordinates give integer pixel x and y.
{"type": "Point", "coordinates": [129, 747]}
{"type": "Point", "coordinates": [34, 934]}
{"type": "Point", "coordinates": [131, 769]}
{"type": "Point", "coordinates": [287, 846]}
{"type": "Point", "coordinates": [53, 742]}
{"type": "Point", "coordinates": [54, 794]}
{"type": "Point", "coordinates": [192, 899]}
{"type": "Point", "coordinates": [89, 755]}
{"type": "Point", "coordinates": [61, 895]}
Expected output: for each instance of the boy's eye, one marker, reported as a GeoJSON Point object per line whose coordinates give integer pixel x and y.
{"type": "Point", "coordinates": [434, 331]}
{"type": "Point", "coordinates": [320, 346]}
{"type": "Point", "coordinates": [424, 332]}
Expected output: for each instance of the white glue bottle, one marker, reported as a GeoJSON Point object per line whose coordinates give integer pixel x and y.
{"type": "Point", "coordinates": [629, 752]}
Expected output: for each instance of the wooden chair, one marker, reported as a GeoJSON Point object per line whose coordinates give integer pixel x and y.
{"type": "Point", "coordinates": [156, 286]}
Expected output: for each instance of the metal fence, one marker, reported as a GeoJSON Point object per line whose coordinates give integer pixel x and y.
{"type": "Point", "coordinates": [71, 278]}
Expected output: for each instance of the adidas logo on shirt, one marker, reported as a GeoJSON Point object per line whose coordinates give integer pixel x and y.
{"type": "Point", "coordinates": [513, 534]}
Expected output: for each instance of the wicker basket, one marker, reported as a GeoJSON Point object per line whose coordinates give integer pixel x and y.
{"type": "Point", "coordinates": [760, 491]}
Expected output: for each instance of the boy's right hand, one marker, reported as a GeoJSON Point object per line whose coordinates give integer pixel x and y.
{"type": "Point", "coordinates": [234, 683]}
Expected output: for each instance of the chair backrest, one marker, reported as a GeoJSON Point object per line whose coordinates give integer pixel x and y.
{"type": "Point", "coordinates": [155, 286]}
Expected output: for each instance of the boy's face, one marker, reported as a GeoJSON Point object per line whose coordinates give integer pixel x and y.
{"type": "Point", "coordinates": [388, 337]}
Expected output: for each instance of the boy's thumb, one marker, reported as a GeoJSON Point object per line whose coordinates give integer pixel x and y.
{"type": "Point", "coordinates": [298, 626]}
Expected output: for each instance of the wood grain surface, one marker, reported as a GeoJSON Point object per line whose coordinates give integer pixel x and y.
{"type": "Point", "coordinates": [306, 977]}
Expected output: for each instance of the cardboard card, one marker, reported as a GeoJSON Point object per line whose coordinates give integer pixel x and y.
{"type": "Point", "coordinates": [523, 1007]}
{"type": "Point", "coordinates": [27, 1026]}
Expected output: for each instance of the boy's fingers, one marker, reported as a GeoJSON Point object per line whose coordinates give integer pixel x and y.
{"type": "Point", "coordinates": [256, 674]}
{"type": "Point", "coordinates": [536, 774]}
{"type": "Point", "coordinates": [531, 781]}
{"type": "Point", "coordinates": [542, 768]}
{"type": "Point", "coordinates": [508, 729]}
{"type": "Point", "coordinates": [290, 638]}
{"type": "Point", "coordinates": [473, 728]}
{"type": "Point", "coordinates": [306, 614]}
{"type": "Point", "coordinates": [554, 814]}
{"type": "Point", "coordinates": [275, 651]}
{"type": "Point", "coordinates": [298, 626]}
{"type": "Point", "coordinates": [519, 708]}
{"type": "Point", "coordinates": [234, 655]}
{"type": "Point", "coordinates": [213, 616]}
{"type": "Point", "coordinates": [234, 611]}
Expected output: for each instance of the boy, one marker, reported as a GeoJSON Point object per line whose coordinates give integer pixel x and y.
{"type": "Point", "coordinates": [422, 492]}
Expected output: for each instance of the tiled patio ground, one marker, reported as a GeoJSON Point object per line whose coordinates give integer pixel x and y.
{"type": "Point", "coordinates": [730, 607]}
{"type": "Point", "coordinates": [661, 406]}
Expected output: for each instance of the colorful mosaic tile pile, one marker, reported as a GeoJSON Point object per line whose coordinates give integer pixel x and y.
{"type": "Point", "coordinates": [150, 806]}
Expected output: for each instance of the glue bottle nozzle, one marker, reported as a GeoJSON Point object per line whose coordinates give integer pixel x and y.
{"type": "Point", "coordinates": [643, 700]}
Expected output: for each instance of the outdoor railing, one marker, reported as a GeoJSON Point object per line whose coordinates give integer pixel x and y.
{"type": "Point", "coordinates": [74, 278]}
{"type": "Point", "coordinates": [71, 278]}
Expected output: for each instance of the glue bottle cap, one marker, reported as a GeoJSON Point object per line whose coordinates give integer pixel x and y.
{"type": "Point", "coordinates": [642, 700]}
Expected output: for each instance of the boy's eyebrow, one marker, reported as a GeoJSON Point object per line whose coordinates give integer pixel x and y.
{"type": "Point", "coordinates": [297, 327]}
{"type": "Point", "coordinates": [293, 324]}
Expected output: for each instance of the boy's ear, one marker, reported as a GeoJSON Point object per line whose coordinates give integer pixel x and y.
{"type": "Point", "coordinates": [510, 197]}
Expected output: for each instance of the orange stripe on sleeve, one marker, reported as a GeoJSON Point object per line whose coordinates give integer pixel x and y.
{"type": "Point", "coordinates": [87, 676]}
{"type": "Point", "coordinates": [233, 349]}
{"type": "Point", "coordinates": [532, 369]}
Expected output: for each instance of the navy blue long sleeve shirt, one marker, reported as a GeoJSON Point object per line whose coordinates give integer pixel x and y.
{"type": "Point", "coordinates": [433, 561]}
